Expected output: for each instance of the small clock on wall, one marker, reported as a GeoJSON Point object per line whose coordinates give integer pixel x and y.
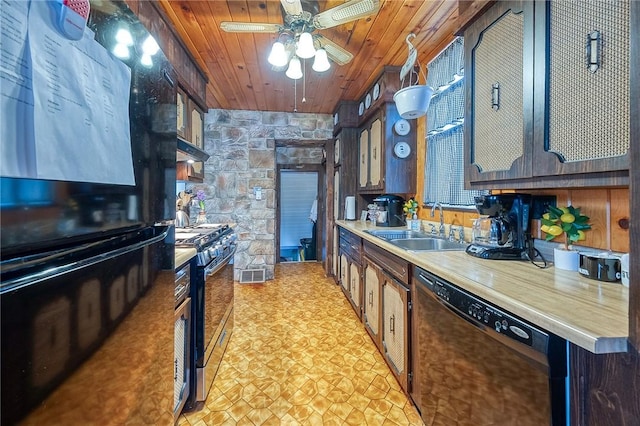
{"type": "Point", "coordinates": [402, 127]}
{"type": "Point", "coordinates": [361, 108]}
{"type": "Point", "coordinates": [367, 101]}
{"type": "Point", "coordinates": [402, 149]}
{"type": "Point", "coordinates": [376, 91]}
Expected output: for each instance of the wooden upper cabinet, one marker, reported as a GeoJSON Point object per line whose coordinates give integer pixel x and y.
{"type": "Point", "coordinates": [499, 117]}
{"type": "Point", "coordinates": [363, 162]}
{"type": "Point", "coordinates": [587, 95]}
{"type": "Point", "coordinates": [536, 111]}
{"type": "Point", "coordinates": [197, 124]}
{"type": "Point", "coordinates": [380, 168]}
{"type": "Point", "coordinates": [375, 154]}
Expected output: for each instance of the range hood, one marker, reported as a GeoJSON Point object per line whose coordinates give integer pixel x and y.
{"type": "Point", "coordinates": [187, 151]}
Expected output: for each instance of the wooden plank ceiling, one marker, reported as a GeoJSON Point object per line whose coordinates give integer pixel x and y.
{"type": "Point", "coordinates": [241, 78]}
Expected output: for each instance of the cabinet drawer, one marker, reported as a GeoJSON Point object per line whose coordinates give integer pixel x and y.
{"type": "Point", "coordinates": [391, 263]}
{"type": "Point", "coordinates": [352, 240]}
{"type": "Point", "coordinates": [351, 249]}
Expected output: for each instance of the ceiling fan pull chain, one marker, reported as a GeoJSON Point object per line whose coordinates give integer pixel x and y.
{"type": "Point", "coordinates": [295, 95]}
{"type": "Point", "coordinates": [304, 81]}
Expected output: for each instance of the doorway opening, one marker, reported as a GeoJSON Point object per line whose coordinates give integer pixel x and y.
{"type": "Point", "coordinates": [299, 212]}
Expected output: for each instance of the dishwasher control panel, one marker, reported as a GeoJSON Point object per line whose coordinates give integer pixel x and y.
{"type": "Point", "coordinates": [481, 313]}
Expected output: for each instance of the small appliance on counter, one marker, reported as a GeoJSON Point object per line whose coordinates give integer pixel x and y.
{"type": "Point", "coordinates": [503, 230]}
{"type": "Point", "coordinates": [389, 210]}
{"type": "Point", "coordinates": [600, 266]}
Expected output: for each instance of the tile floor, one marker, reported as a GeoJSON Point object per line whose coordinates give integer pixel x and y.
{"type": "Point", "coordinates": [299, 355]}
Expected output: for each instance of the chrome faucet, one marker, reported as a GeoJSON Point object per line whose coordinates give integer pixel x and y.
{"type": "Point", "coordinates": [433, 211]}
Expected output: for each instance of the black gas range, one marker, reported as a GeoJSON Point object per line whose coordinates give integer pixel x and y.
{"type": "Point", "coordinates": [212, 241]}
{"type": "Point", "coordinates": [212, 295]}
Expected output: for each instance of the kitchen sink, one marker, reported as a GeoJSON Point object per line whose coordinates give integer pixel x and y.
{"type": "Point", "coordinates": [397, 234]}
{"type": "Point", "coordinates": [427, 244]}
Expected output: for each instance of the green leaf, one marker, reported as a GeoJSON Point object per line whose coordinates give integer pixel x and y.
{"type": "Point", "coordinates": [548, 222]}
{"type": "Point", "coordinates": [549, 237]}
{"type": "Point", "coordinates": [555, 211]}
{"type": "Point", "coordinates": [566, 227]}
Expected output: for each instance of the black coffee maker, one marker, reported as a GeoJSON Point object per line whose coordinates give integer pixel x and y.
{"type": "Point", "coordinates": [389, 210]}
{"type": "Point", "coordinates": [503, 230]}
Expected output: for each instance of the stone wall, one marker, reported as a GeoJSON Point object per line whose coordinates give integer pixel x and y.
{"type": "Point", "coordinates": [242, 145]}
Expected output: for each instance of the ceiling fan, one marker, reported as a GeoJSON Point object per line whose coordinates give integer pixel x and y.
{"type": "Point", "coordinates": [298, 21]}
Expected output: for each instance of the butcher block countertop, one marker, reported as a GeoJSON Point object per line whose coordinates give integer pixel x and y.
{"type": "Point", "coordinates": [591, 314]}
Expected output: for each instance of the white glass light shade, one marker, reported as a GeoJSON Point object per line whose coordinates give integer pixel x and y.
{"type": "Point", "coordinates": [321, 62]}
{"type": "Point", "coordinates": [124, 37]}
{"type": "Point", "coordinates": [150, 46]}
{"type": "Point", "coordinates": [305, 47]}
{"type": "Point", "coordinates": [278, 56]}
{"type": "Point", "coordinates": [295, 70]}
{"type": "Point", "coordinates": [121, 51]}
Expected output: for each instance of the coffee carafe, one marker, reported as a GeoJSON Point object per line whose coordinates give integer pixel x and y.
{"type": "Point", "coordinates": [502, 231]}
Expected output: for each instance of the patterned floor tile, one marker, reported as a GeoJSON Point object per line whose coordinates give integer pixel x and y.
{"type": "Point", "coordinates": [300, 356]}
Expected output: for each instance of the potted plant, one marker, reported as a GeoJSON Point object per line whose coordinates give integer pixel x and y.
{"type": "Point", "coordinates": [569, 222]}
{"type": "Point", "coordinates": [202, 215]}
{"type": "Point", "coordinates": [410, 209]}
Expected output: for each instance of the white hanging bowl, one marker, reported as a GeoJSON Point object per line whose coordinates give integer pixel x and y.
{"type": "Point", "coordinates": [413, 101]}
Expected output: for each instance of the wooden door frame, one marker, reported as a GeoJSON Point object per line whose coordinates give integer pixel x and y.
{"type": "Point", "coordinates": [322, 204]}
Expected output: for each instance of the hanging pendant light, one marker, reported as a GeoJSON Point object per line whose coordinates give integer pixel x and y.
{"type": "Point", "coordinates": [295, 70]}
{"type": "Point", "coordinates": [305, 49]}
{"type": "Point", "coordinates": [321, 61]}
{"type": "Point", "coordinates": [278, 56]}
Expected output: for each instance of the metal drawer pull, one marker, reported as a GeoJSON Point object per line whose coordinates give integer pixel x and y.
{"type": "Point", "coordinates": [392, 324]}
{"type": "Point", "coordinates": [594, 46]}
{"type": "Point", "coordinates": [374, 153]}
{"type": "Point", "coordinates": [495, 96]}
{"type": "Point", "coordinates": [371, 298]}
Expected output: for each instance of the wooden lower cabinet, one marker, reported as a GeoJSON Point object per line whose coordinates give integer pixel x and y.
{"type": "Point", "coordinates": [372, 303]}
{"type": "Point", "coordinates": [395, 327]}
{"type": "Point", "coordinates": [605, 388]}
{"type": "Point", "coordinates": [351, 281]}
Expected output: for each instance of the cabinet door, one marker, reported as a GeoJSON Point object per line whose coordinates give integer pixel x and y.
{"type": "Point", "coordinates": [371, 302]}
{"type": "Point", "coordinates": [344, 273]}
{"type": "Point", "coordinates": [375, 154]}
{"type": "Point", "coordinates": [197, 125]}
{"type": "Point", "coordinates": [499, 118]}
{"type": "Point", "coordinates": [356, 286]}
{"type": "Point", "coordinates": [588, 104]}
{"type": "Point", "coordinates": [181, 114]}
{"type": "Point", "coordinates": [363, 163]}
{"type": "Point", "coordinates": [395, 323]}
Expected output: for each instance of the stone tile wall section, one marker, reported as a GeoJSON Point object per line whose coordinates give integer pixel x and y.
{"type": "Point", "coordinates": [242, 145]}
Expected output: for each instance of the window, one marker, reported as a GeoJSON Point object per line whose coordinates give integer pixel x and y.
{"type": "Point", "coordinates": [444, 166]}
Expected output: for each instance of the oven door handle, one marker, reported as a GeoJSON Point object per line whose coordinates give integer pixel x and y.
{"type": "Point", "coordinates": [219, 266]}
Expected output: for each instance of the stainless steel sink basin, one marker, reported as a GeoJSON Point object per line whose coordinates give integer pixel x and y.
{"type": "Point", "coordinates": [427, 244]}
{"type": "Point", "coordinates": [396, 234]}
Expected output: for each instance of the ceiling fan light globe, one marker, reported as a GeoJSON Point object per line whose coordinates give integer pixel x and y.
{"type": "Point", "coordinates": [305, 49]}
{"type": "Point", "coordinates": [278, 56]}
{"type": "Point", "coordinates": [294, 71]}
{"type": "Point", "coordinates": [321, 62]}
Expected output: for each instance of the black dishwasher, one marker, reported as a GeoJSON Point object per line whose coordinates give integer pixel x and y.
{"type": "Point", "coordinates": [476, 364]}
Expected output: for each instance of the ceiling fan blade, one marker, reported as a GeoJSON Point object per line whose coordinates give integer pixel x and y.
{"type": "Point", "coordinates": [337, 54]}
{"type": "Point", "coordinates": [347, 12]}
{"type": "Point", "coordinates": [249, 27]}
{"type": "Point", "coordinates": [292, 7]}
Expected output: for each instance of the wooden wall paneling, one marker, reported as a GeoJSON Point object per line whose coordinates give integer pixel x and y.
{"type": "Point", "coordinates": [593, 203]}
{"type": "Point", "coordinates": [421, 153]}
{"type": "Point", "coordinates": [619, 223]}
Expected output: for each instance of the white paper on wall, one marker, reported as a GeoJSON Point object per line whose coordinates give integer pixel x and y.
{"type": "Point", "coordinates": [79, 126]}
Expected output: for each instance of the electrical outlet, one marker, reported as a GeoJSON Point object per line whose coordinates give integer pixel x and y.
{"type": "Point", "coordinates": [540, 203]}
{"type": "Point", "coordinates": [257, 191]}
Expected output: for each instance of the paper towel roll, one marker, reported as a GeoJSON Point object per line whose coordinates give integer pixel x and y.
{"type": "Point", "coordinates": [350, 208]}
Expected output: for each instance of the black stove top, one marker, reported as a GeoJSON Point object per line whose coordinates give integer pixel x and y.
{"type": "Point", "coordinates": [200, 235]}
